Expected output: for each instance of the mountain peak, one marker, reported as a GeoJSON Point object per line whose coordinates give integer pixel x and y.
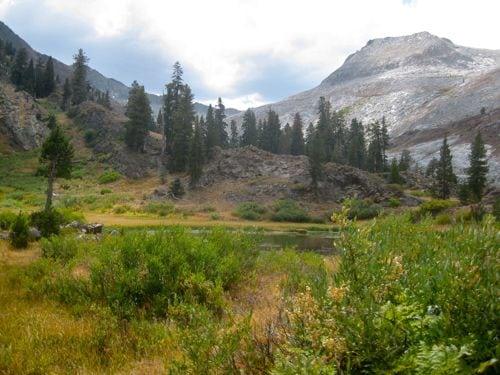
{"type": "Point", "coordinates": [417, 51]}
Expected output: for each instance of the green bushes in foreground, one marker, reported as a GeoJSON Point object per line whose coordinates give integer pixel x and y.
{"type": "Point", "coordinates": [405, 299]}
{"type": "Point", "coordinates": [250, 211]}
{"type": "Point", "coordinates": [361, 209]}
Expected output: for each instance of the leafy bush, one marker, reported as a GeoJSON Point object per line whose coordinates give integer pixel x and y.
{"type": "Point", "coordinates": [405, 299]}
{"type": "Point", "coordinates": [289, 210]}
{"type": "Point", "coordinates": [435, 206]}
{"type": "Point", "coordinates": [361, 209]}
{"type": "Point", "coordinates": [394, 202]}
{"type": "Point", "coordinates": [108, 177]}
{"type": "Point", "coordinates": [6, 219]}
{"type": "Point", "coordinates": [68, 215]}
{"type": "Point", "coordinates": [105, 191]}
{"type": "Point", "coordinates": [215, 216]}
{"type": "Point", "coordinates": [148, 272]}
{"type": "Point", "coordinates": [48, 223]}
{"type": "Point", "coordinates": [159, 208]}
{"type": "Point", "coordinates": [443, 219]}
{"type": "Point", "coordinates": [250, 211]}
{"type": "Point", "coordinates": [19, 232]}
{"type": "Point", "coordinates": [60, 248]}
{"type": "Point", "coordinates": [176, 188]}
{"type": "Point", "coordinates": [90, 137]}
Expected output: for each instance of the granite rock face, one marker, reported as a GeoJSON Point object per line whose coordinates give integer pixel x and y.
{"type": "Point", "coordinates": [21, 119]}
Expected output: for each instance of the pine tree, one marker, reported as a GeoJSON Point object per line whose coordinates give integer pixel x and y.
{"type": "Point", "coordinates": [139, 115]}
{"type": "Point", "coordinates": [285, 144]}
{"type": "Point", "coordinates": [297, 142]}
{"type": "Point", "coordinates": [56, 158]}
{"type": "Point", "coordinates": [309, 139]}
{"type": "Point", "coordinates": [39, 79]}
{"type": "Point", "coordinates": [395, 177]}
{"type": "Point", "coordinates": [405, 161]}
{"type": "Point", "coordinates": [315, 159]}
{"type": "Point", "coordinates": [260, 133]}
{"type": "Point", "coordinates": [29, 78]}
{"type": "Point", "coordinates": [49, 83]}
{"type": "Point", "coordinates": [339, 138]}
{"type": "Point", "coordinates": [106, 101]}
{"type": "Point", "coordinates": [249, 129]}
{"type": "Point", "coordinates": [196, 156]}
{"type": "Point", "coordinates": [478, 168]}
{"type": "Point", "coordinates": [66, 97]}
{"type": "Point", "coordinates": [376, 154]}
{"type": "Point", "coordinates": [324, 128]}
{"type": "Point", "coordinates": [445, 178]}
{"type": "Point", "coordinates": [183, 119]}
{"type": "Point", "coordinates": [19, 67]}
{"type": "Point", "coordinates": [221, 138]}
{"type": "Point", "coordinates": [176, 188]}
{"type": "Point", "coordinates": [271, 133]}
{"type": "Point", "coordinates": [234, 140]}
{"type": "Point", "coordinates": [211, 140]}
{"type": "Point", "coordinates": [356, 145]}
{"type": "Point", "coordinates": [79, 79]}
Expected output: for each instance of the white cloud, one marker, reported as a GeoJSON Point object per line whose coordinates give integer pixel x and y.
{"type": "Point", "coordinates": [241, 102]}
{"type": "Point", "coordinates": [220, 40]}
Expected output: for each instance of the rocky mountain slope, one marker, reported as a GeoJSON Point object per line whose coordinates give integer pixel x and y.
{"type": "Point", "coordinates": [421, 84]}
{"type": "Point", "coordinates": [117, 90]}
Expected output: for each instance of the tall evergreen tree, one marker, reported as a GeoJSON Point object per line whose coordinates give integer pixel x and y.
{"type": "Point", "coordinates": [297, 141]}
{"type": "Point", "coordinates": [221, 139]}
{"type": "Point", "coordinates": [19, 67]}
{"type": "Point", "coordinates": [212, 134]}
{"type": "Point", "coordinates": [376, 153]}
{"type": "Point", "coordinates": [49, 83]}
{"type": "Point", "coordinates": [445, 178]}
{"type": "Point", "coordinates": [405, 161]}
{"type": "Point", "coordinates": [106, 100]}
{"type": "Point", "coordinates": [285, 144]}
{"type": "Point", "coordinates": [339, 138]}
{"type": "Point", "coordinates": [260, 133]}
{"type": "Point", "coordinates": [478, 168]}
{"type": "Point", "coordinates": [249, 129]}
{"type": "Point", "coordinates": [183, 119]}
{"type": "Point", "coordinates": [315, 159]}
{"type": "Point", "coordinates": [139, 114]}
{"type": "Point", "coordinates": [29, 78]}
{"type": "Point", "coordinates": [159, 120]}
{"type": "Point", "coordinates": [66, 97]}
{"type": "Point", "coordinates": [39, 79]}
{"type": "Point", "coordinates": [56, 158]}
{"type": "Point", "coordinates": [233, 141]}
{"type": "Point", "coordinates": [395, 177]}
{"type": "Point", "coordinates": [271, 132]}
{"type": "Point", "coordinates": [196, 155]}
{"type": "Point", "coordinates": [309, 139]}
{"type": "Point", "coordinates": [79, 85]}
{"type": "Point", "coordinates": [356, 145]}
{"type": "Point", "coordinates": [324, 128]}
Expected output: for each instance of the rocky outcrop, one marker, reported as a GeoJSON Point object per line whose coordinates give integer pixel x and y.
{"type": "Point", "coordinates": [108, 146]}
{"type": "Point", "coordinates": [249, 173]}
{"type": "Point", "coordinates": [21, 119]}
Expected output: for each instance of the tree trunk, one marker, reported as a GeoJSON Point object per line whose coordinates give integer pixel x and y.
{"type": "Point", "coordinates": [50, 186]}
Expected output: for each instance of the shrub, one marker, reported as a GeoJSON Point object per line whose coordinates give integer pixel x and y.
{"type": "Point", "coordinates": [19, 232]}
{"type": "Point", "coordinates": [250, 211]}
{"type": "Point", "coordinates": [495, 210]}
{"type": "Point", "coordinates": [435, 206]}
{"type": "Point", "coordinates": [394, 202]}
{"type": "Point", "coordinates": [361, 209]}
{"type": "Point", "coordinates": [105, 191]}
{"type": "Point", "coordinates": [215, 216]}
{"type": "Point", "coordinates": [443, 219]}
{"type": "Point", "coordinates": [90, 137]}
{"type": "Point", "coordinates": [108, 177]}
{"type": "Point", "coordinates": [150, 271]}
{"type": "Point", "coordinates": [176, 188]}
{"type": "Point", "coordinates": [122, 209]}
{"type": "Point", "coordinates": [6, 219]}
{"type": "Point", "coordinates": [159, 208]}
{"type": "Point", "coordinates": [463, 216]}
{"type": "Point", "coordinates": [59, 248]}
{"type": "Point", "coordinates": [47, 222]}
{"type": "Point", "coordinates": [289, 210]}
{"type": "Point", "coordinates": [68, 215]}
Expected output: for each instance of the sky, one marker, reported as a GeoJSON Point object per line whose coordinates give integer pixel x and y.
{"type": "Point", "coordinates": [249, 52]}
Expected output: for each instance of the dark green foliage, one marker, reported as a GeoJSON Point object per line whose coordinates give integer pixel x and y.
{"type": "Point", "coordinates": [445, 178]}
{"type": "Point", "coordinates": [6, 219]}
{"type": "Point", "coordinates": [19, 232]}
{"type": "Point", "coordinates": [234, 139]}
{"type": "Point", "coordinates": [356, 147]}
{"type": "Point", "coordinates": [285, 142]}
{"type": "Point", "coordinates": [297, 141]}
{"type": "Point", "coordinates": [432, 167]}
{"type": "Point", "coordinates": [249, 129]}
{"type": "Point", "coordinates": [395, 177]}
{"type": "Point", "coordinates": [405, 161]}
{"type": "Point", "coordinates": [49, 83]}
{"type": "Point", "coordinates": [108, 177]}
{"type": "Point", "coordinates": [250, 211]}
{"type": "Point", "coordinates": [150, 272]}
{"type": "Point", "coordinates": [361, 209]}
{"type": "Point", "coordinates": [196, 156]}
{"type": "Point", "coordinates": [464, 194]}
{"type": "Point", "coordinates": [79, 85]}
{"type": "Point", "coordinates": [48, 222]}
{"type": "Point", "coordinates": [176, 188]}
{"type": "Point", "coordinates": [271, 132]}
{"type": "Point", "coordinates": [221, 137]}
{"type": "Point", "coordinates": [376, 160]}
{"type": "Point", "coordinates": [19, 67]}
{"type": "Point", "coordinates": [90, 137]}
{"type": "Point", "coordinates": [56, 159]}
{"type": "Point", "coordinates": [495, 210]}
{"type": "Point", "coordinates": [139, 115]}
{"type": "Point", "coordinates": [289, 210]}
{"type": "Point", "coordinates": [316, 156]}
{"type": "Point", "coordinates": [394, 202]}
{"type": "Point", "coordinates": [432, 207]}
{"type": "Point", "coordinates": [60, 248]}
{"type": "Point", "coordinates": [66, 97]}
{"type": "Point", "coordinates": [29, 79]}
{"type": "Point", "coordinates": [211, 136]}
{"type": "Point", "coordinates": [478, 168]}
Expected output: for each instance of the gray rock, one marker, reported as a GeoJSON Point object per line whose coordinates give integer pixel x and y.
{"type": "Point", "coordinates": [34, 233]}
